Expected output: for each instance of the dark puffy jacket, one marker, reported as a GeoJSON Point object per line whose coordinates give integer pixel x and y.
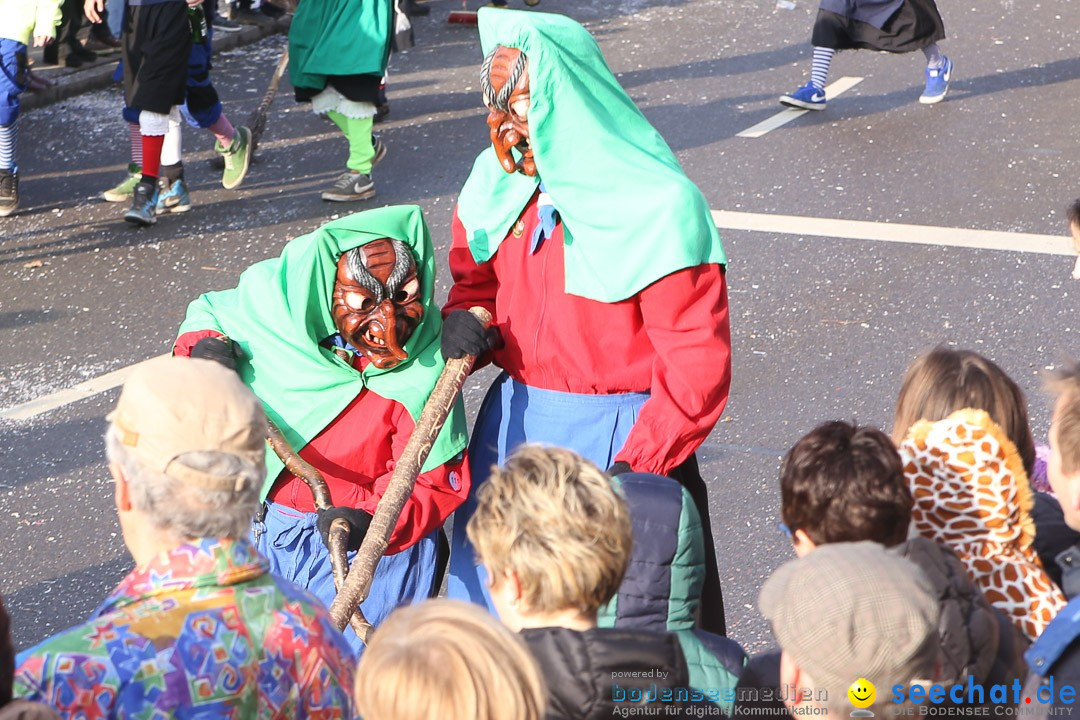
{"type": "Point", "coordinates": [1056, 543]}
{"type": "Point", "coordinates": [594, 674]}
{"type": "Point", "coordinates": [1054, 662]}
{"type": "Point", "coordinates": [976, 639]}
{"type": "Point", "coordinates": [662, 587]}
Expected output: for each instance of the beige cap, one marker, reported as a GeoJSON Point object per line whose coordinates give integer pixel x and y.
{"type": "Point", "coordinates": [853, 610]}
{"type": "Point", "coordinates": [173, 405]}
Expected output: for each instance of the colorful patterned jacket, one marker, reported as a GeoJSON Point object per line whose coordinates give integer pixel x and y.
{"type": "Point", "coordinates": [202, 631]}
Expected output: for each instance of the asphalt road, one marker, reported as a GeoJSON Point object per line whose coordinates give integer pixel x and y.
{"type": "Point", "coordinates": [822, 327]}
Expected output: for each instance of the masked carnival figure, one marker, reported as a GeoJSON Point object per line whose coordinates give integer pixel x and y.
{"type": "Point", "coordinates": [600, 264]}
{"type": "Point", "coordinates": [339, 339]}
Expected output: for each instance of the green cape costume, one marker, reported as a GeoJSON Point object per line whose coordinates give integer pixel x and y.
{"type": "Point", "coordinates": [630, 215]}
{"type": "Point", "coordinates": [338, 37]}
{"type": "Point", "coordinates": [279, 312]}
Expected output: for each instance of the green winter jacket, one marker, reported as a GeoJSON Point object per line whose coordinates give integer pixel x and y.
{"type": "Point", "coordinates": [21, 20]}
{"type": "Point", "coordinates": [662, 587]}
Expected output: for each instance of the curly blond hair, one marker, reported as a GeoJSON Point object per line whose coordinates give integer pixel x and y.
{"type": "Point", "coordinates": [447, 660]}
{"type": "Point", "coordinates": [554, 519]}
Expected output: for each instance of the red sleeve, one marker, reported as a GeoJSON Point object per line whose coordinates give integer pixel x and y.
{"type": "Point", "coordinates": [686, 317]}
{"type": "Point", "coordinates": [435, 496]}
{"type": "Point", "coordinates": [473, 284]}
{"type": "Point", "coordinates": [185, 342]}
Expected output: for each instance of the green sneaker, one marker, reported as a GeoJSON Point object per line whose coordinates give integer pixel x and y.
{"type": "Point", "coordinates": [237, 158]}
{"type": "Point", "coordinates": [125, 190]}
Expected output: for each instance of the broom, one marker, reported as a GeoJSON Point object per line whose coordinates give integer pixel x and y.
{"type": "Point", "coordinates": [468, 17]}
{"type": "Point", "coordinates": [256, 121]}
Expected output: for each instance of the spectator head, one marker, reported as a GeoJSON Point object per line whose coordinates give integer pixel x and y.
{"type": "Point", "coordinates": [554, 537]}
{"type": "Point", "coordinates": [944, 380]}
{"type": "Point", "coordinates": [972, 495]}
{"type": "Point", "coordinates": [848, 612]}
{"type": "Point", "coordinates": [447, 660]}
{"type": "Point", "coordinates": [1063, 467]}
{"type": "Point", "coordinates": [844, 483]}
{"type": "Point", "coordinates": [1073, 215]}
{"type": "Point", "coordinates": [186, 448]}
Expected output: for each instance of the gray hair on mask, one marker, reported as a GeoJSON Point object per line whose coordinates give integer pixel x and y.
{"type": "Point", "coordinates": [500, 101]}
{"type": "Point", "coordinates": [357, 267]}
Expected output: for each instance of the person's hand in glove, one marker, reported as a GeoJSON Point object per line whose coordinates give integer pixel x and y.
{"type": "Point", "coordinates": [358, 524]}
{"type": "Point", "coordinates": [463, 334]}
{"type": "Point", "coordinates": [618, 468]}
{"type": "Point", "coordinates": [220, 350]}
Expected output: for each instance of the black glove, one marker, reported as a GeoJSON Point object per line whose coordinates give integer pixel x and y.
{"type": "Point", "coordinates": [220, 350]}
{"type": "Point", "coordinates": [619, 468]}
{"type": "Point", "coordinates": [358, 524]}
{"type": "Point", "coordinates": [463, 334]}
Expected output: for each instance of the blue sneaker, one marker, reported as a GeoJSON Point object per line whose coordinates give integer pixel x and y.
{"type": "Point", "coordinates": [808, 97]}
{"type": "Point", "coordinates": [173, 198]}
{"type": "Point", "coordinates": [143, 203]}
{"type": "Point", "coordinates": [937, 83]}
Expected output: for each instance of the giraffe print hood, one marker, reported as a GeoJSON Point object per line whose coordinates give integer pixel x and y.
{"type": "Point", "coordinates": [972, 495]}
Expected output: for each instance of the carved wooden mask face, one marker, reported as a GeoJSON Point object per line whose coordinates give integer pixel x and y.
{"type": "Point", "coordinates": [376, 304]}
{"type": "Point", "coordinates": [504, 79]}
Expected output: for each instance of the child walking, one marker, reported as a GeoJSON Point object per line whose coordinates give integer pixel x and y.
{"type": "Point", "coordinates": [20, 21]}
{"type": "Point", "coordinates": [895, 26]}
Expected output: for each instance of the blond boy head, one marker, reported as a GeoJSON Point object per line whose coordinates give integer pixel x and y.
{"type": "Point", "coordinates": [553, 534]}
{"type": "Point", "coordinates": [447, 660]}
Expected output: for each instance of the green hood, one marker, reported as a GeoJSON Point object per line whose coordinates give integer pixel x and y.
{"type": "Point", "coordinates": [630, 215]}
{"type": "Point", "coordinates": [279, 312]}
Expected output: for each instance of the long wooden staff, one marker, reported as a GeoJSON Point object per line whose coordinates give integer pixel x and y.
{"type": "Point", "coordinates": [338, 537]}
{"type": "Point", "coordinates": [256, 121]}
{"type": "Point", "coordinates": [357, 585]}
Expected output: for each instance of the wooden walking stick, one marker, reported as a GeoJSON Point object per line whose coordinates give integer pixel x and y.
{"type": "Point", "coordinates": [256, 121]}
{"type": "Point", "coordinates": [338, 537]}
{"type": "Point", "coordinates": [358, 583]}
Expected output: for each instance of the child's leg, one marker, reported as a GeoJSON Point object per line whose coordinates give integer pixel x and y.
{"type": "Point", "coordinates": [811, 96]}
{"type": "Point", "coordinates": [934, 56]}
{"type": "Point", "coordinates": [123, 190]}
{"type": "Point", "coordinates": [9, 135]}
{"type": "Point", "coordinates": [361, 148]}
{"type": "Point", "coordinates": [819, 69]}
{"type": "Point", "coordinates": [173, 194]}
{"type": "Point", "coordinates": [356, 184]}
{"type": "Point", "coordinates": [153, 127]}
{"type": "Point", "coordinates": [938, 74]}
{"type": "Point", "coordinates": [13, 69]}
{"type": "Point", "coordinates": [171, 152]}
{"type": "Point", "coordinates": [135, 137]}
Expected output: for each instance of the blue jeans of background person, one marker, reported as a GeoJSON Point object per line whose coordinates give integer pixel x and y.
{"type": "Point", "coordinates": [12, 79]}
{"type": "Point", "coordinates": [115, 8]}
{"type": "Point", "coordinates": [291, 541]}
{"type": "Point", "coordinates": [594, 426]}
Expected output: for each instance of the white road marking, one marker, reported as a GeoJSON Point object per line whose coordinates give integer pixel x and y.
{"type": "Point", "coordinates": [894, 232]}
{"type": "Point", "coordinates": [725, 220]}
{"type": "Point", "coordinates": [788, 114]}
{"type": "Point", "coordinates": [58, 399]}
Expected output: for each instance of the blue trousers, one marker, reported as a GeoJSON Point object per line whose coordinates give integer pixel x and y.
{"type": "Point", "coordinates": [595, 426]}
{"type": "Point", "coordinates": [291, 541]}
{"type": "Point", "coordinates": [12, 79]}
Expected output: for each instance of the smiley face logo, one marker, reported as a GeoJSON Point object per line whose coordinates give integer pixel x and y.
{"type": "Point", "coordinates": [862, 693]}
